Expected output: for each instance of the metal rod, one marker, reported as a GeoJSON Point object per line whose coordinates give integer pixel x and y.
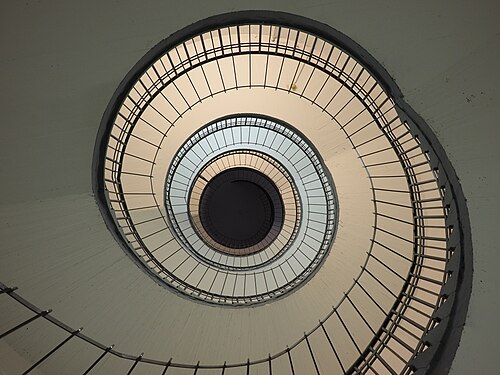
{"type": "Point", "coordinates": [38, 315]}
{"type": "Point", "coordinates": [52, 351]}
{"type": "Point", "coordinates": [98, 359]}
{"type": "Point", "coordinates": [138, 359]}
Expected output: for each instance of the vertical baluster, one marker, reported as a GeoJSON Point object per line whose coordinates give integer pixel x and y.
{"type": "Point", "coordinates": [52, 351]}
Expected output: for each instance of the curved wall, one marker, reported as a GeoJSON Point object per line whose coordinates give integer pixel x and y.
{"type": "Point", "coordinates": [61, 63]}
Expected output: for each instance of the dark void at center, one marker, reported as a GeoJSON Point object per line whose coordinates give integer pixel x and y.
{"type": "Point", "coordinates": [240, 207]}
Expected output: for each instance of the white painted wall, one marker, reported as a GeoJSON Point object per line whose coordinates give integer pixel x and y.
{"type": "Point", "coordinates": [61, 61]}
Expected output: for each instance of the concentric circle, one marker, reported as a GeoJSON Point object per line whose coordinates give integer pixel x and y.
{"type": "Point", "coordinates": [299, 237]}
{"type": "Point", "coordinates": [286, 199]}
{"type": "Point", "coordinates": [307, 102]}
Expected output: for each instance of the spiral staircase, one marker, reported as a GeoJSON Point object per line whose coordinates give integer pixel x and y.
{"type": "Point", "coordinates": [363, 263]}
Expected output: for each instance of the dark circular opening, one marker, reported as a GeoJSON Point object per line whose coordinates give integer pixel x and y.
{"type": "Point", "coordinates": [240, 208]}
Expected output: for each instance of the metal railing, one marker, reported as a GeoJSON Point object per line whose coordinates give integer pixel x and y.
{"type": "Point", "coordinates": [413, 187]}
{"type": "Point", "coordinates": [288, 224]}
{"type": "Point", "coordinates": [297, 250]}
